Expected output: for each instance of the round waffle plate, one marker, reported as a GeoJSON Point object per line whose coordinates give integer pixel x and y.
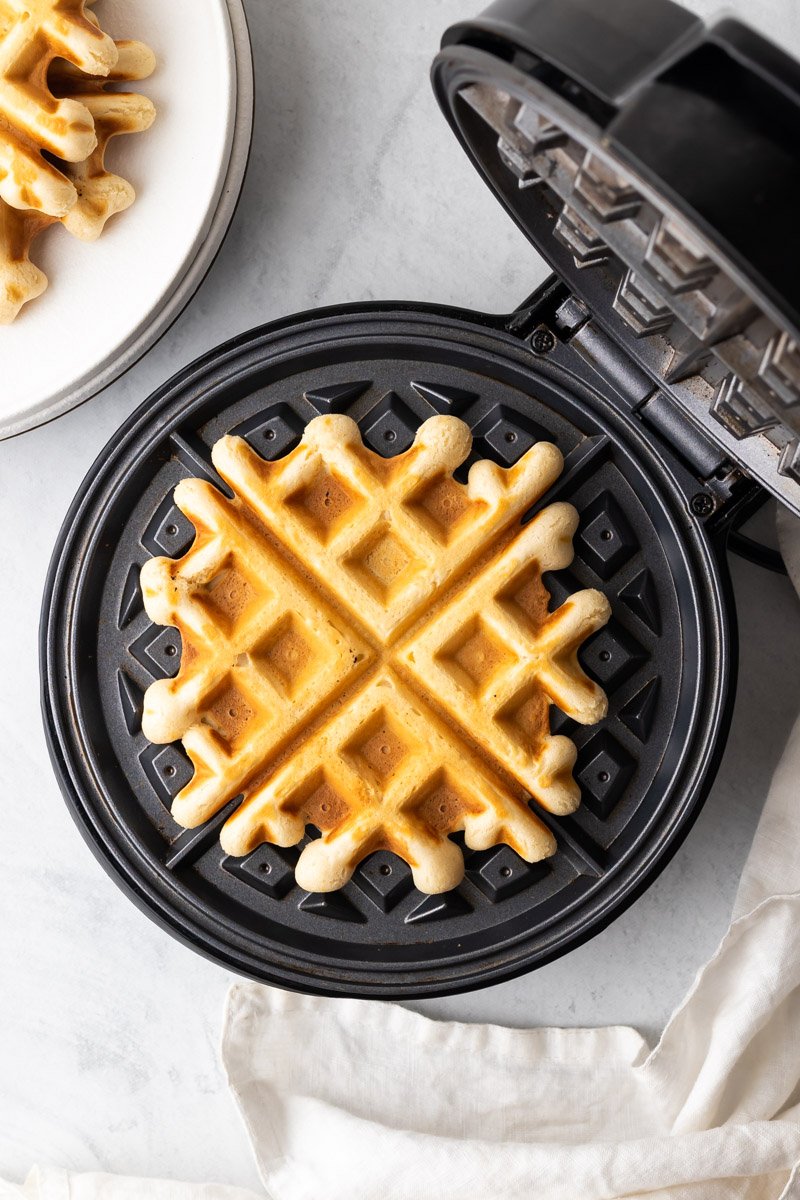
{"type": "Point", "coordinates": [108, 303]}
{"type": "Point", "coordinates": [663, 659]}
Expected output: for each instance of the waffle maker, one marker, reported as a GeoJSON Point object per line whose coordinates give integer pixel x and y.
{"type": "Point", "coordinates": [654, 161]}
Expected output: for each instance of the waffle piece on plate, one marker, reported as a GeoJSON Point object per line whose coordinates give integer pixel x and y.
{"type": "Point", "coordinates": [368, 649]}
{"type": "Point", "coordinates": [95, 194]}
{"type": "Point", "coordinates": [33, 33]}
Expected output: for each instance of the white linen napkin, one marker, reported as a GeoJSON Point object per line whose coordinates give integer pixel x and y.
{"type": "Point", "coordinates": [356, 1100]}
{"type": "Point", "coordinates": [44, 1184]}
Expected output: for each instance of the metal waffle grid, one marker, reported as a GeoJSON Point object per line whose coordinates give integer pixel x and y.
{"type": "Point", "coordinates": [730, 365]}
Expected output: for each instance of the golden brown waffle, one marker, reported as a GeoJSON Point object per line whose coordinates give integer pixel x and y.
{"type": "Point", "coordinates": [33, 33]}
{"type": "Point", "coordinates": [368, 648]}
{"type": "Point", "coordinates": [98, 193]}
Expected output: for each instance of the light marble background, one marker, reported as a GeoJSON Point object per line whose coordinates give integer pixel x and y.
{"type": "Point", "coordinates": [357, 190]}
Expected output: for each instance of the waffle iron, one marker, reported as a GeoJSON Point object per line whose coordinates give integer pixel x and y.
{"type": "Point", "coordinates": [654, 161]}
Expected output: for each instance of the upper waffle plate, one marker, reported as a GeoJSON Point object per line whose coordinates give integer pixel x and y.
{"type": "Point", "coordinates": [108, 302]}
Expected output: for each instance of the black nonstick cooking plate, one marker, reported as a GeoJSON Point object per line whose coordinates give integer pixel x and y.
{"type": "Point", "coordinates": [665, 660]}
{"type": "Point", "coordinates": [657, 493]}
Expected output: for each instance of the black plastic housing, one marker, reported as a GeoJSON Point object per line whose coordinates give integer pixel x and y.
{"type": "Point", "coordinates": [709, 116]}
{"type": "Point", "coordinates": [666, 660]}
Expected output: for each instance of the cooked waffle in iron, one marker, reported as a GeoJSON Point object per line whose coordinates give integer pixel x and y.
{"type": "Point", "coordinates": [368, 649]}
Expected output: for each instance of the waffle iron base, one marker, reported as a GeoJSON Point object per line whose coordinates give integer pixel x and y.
{"type": "Point", "coordinates": [665, 659]}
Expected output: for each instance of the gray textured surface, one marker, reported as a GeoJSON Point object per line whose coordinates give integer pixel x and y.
{"type": "Point", "coordinates": [108, 1028]}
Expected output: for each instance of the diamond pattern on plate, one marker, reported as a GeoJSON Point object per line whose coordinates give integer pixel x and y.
{"type": "Point", "coordinates": [169, 532]}
{"type": "Point", "coordinates": [158, 651]}
{"type": "Point", "coordinates": [168, 770]}
{"type": "Point", "coordinates": [604, 770]}
{"type": "Point", "coordinates": [384, 878]}
{"type": "Point", "coordinates": [390, 426]}
{"type": "Point", "coordinates": [273, 434]}
{"type": "Point", "coordinates": [500, 873]}
{"type": "Point", "coordinates": [605, 540]}
{"type": "Point", "coordinates": [267, 869]}
{"type": "Point", "coordinates": [508, 434]}
{"type": "Point", "coordinates": [612, 655]}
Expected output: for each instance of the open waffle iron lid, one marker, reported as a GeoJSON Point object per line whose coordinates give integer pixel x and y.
{"type": "Point", "coordinates": [654, 161]}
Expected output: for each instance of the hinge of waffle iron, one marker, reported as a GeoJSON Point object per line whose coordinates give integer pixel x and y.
{"type": "Point", "coordinates": [573, 325]}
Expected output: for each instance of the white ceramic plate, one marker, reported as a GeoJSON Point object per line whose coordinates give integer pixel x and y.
{"type": "Point", "coordinates": [109, 301]}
